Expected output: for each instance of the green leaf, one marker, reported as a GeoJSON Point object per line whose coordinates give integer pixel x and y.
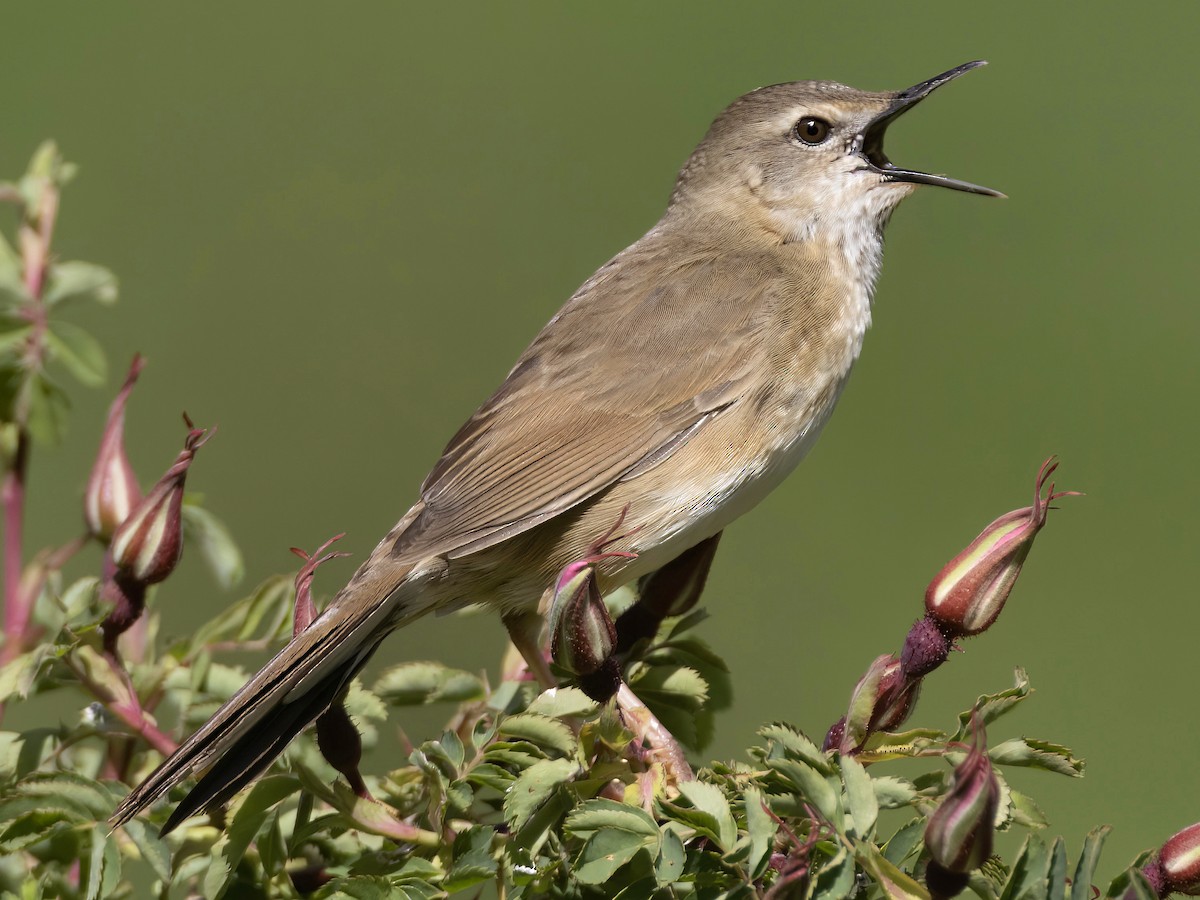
{"type": "Point", "coordinates": [811, 785]}
{"type": "Point", "coordinates": [474, 861]}
{"type": "Point", "coordinates": [714, 818]}
{"type": "Point", "coordinates": [1037, 754]}
{"type": "Point", "coordinates": [415, 683]}
{"type": "Point", "coordinates": [796, 745]}
{"type": "Point", "coordinates": [835, 880]}
{"type": "Point", "coordinates": [46, 406]}
{"type": "Point", "coordinates": [1028, 878]}
{"type": "Point", "coordinates": [895, 884]}
{"type": "Point", "coordinates": [672, 857]}
{"type": "Point", "coordinates": [1057, 874]}
{"type": "Point", "coordinates": [76, 280]}
{"type": "Point", "coordinates": [13, 334]}
{"type": "Point", "coordinates": [761, 829]}
{"type": "Point", "coordinates": [596, 815]}
{"type": "Point", "coordinates": [534, 787]}
{"type": "Point", "coordinates": [1025, 811]}
{"type": "Point", "coordinates": [678, 686]}
{"type": "Point", "coordinates": [604, 853]}
{"type": "Point", "coordinates": [214, 543]}
{"type": "Point", "coordinates": [1132, 883]}
{"type": "Point", "coordinates": [991, 707]}
{"type": "Point", "coordinates": [245, 825]}
{"type": "Point", "coordinates": [1089, 856]}
{"type": "Point", "coordinates": [563, 701]}
{"type": "Point", "coordinates": [860, 796]}
{"type": "Point", "coordinates": [79, 352]}
{"type": "Point", "coordinates": [152, 849]}
{"type": "Point", "coordinates": [104, 865]}
{"type": "Point", "coordinates": [892, 792]}
{"type": "Point", "coordinates": [901, 844]}
{"type": "Point", "coordinates": [545, 732]}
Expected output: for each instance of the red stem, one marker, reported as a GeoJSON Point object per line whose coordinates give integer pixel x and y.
{"type": "Point", "coordinates": [16, 611]}
{"type": "Point", "coordinates": [35, 233]}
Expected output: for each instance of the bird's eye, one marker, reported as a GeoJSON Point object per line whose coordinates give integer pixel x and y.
{"type": "Point", "coordinates": [811, 130]}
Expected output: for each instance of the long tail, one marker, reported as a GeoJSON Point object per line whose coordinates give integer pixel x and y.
{"type": "Point", "coordinates": [254, 726]}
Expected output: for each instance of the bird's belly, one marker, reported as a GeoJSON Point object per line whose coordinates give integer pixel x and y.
{"type": "Point", "coordinates": [706, 502]}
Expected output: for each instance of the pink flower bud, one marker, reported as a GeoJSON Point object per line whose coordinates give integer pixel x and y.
{"type": "Point", "coordinates": [968, 594]}
{"type": "Point", "coordinates": [960, 831]}
{"type": "Point", "coordinates": [306, 610]}
{"type": "Point", "coordinates": [881, 701]}
{"type": "Point", "coordinates": [582, 634]}
{"type": "Point", "coordinates": [1176, 868]}
{"type": "Point", "coordinates": [149, 542]}
{"type": "Point", "coordinates": [112, 488]}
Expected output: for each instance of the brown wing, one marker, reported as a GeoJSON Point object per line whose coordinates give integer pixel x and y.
{"type": "Point", "coordinates": [641, 357]}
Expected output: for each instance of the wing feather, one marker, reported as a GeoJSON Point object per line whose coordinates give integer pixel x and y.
{"type": "Point", "coordinates": [557, 432]}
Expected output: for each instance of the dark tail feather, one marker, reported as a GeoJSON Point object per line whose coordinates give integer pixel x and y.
{"type": "Point", "coordinates": [290, 691]}
{"type": "Point", "coordinates": [254, 752]}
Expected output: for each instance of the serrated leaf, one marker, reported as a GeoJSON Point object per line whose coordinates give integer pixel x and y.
{"type": "Point", "coordinates": [991, 707]}
{"type": "Point", "coordinates": [895, 884]}
{"type": "Point", "coordinates": [79, 352]}
{"type": "Point", "coordinates": [247, 821]}
{"type": "Point", "coordinates": [596, 815]}
{"type": "Point", "coordinates": [604, 853]}
{"type": "Point", "coordinates": [835, 879]}
{"type": "Point", "coordinates": [1027, 880]}
{"type": "Point", "coordinates": [892, 792]}
{"type": "Point", "coordinates": [811, 785]}
{"type": "Point", "coordinates": [104, 864]}
{"type": "Point", "coordinates": [796, 745]}
{"type": "Point", "coordinates": [75, 280]}
{"type": "Point", "coordinates": [534, 787]}
{"type": "Point", "coordinates": [1025, 811]}
{"type": "Point", "coordinates": [415, 683]}
{"type": "Point", "coordinates": [677, 686]}
{"type": "Point", "coordinates": [560, 702]}
{"type": "Point", "coordinates": [760, 828]}
{"type": "Point", "coordinates": [152, 849]}
{"type": "Point", "coordinates": [710, 802]}
{"type": "Point", "coordinates": [1037, 754]}
{"type": "Point", "coordinates": [901, 844]}
{"type": "Point", "coordinates": [473, 859]}
{"type": "Point", "coordinates": [214, 543]}
{"type": "Point", "coordinates": [860, 796]}
{"type": "Point", "coordinates": [545, 732]}
{"type": "Point", "coordinates": [1089, 856]}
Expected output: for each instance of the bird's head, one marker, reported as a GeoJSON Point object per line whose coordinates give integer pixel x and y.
{"type": "Point", "coordinates": [804, 152]}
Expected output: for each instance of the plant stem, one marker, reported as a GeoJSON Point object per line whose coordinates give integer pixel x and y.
{"type": "Point", "coordinates": [36, 232]}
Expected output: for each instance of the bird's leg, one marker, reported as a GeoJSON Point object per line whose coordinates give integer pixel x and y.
{"type": "Point", "coordinates": [669, 591]}
{"type": "Point", "coordinates": [663, 748]}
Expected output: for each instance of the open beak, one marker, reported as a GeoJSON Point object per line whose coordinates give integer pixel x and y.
{"type": "Point", "coordinates": [905, 100]}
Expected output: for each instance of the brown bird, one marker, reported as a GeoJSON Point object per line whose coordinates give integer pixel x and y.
{"type": "Point", "coordinates": [682, 382]}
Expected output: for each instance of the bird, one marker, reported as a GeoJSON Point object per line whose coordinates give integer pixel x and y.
{"type": "Point", "coordinates": [673, 391]}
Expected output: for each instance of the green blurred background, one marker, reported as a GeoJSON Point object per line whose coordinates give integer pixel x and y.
{"type": "Point", "coordinates": [337, 224]}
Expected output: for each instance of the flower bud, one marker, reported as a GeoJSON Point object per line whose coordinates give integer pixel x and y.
{"type": "Point", "coordinates": [112, 488]}
{"type": "Point", "coordinates": [306, 610]}
{"type": "Point", "coordinates": [1176, 868]}
{"type": "Point", "coordinates": [149, 542]}
{"type": "Point", "coordinates": [968, 594]}
{"type": "Point", "coordinates": [881, 701]}
{"type": "Point", "coordinates": [960, 831]}
{"type": "Point", "coordinates": [582, 634]}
